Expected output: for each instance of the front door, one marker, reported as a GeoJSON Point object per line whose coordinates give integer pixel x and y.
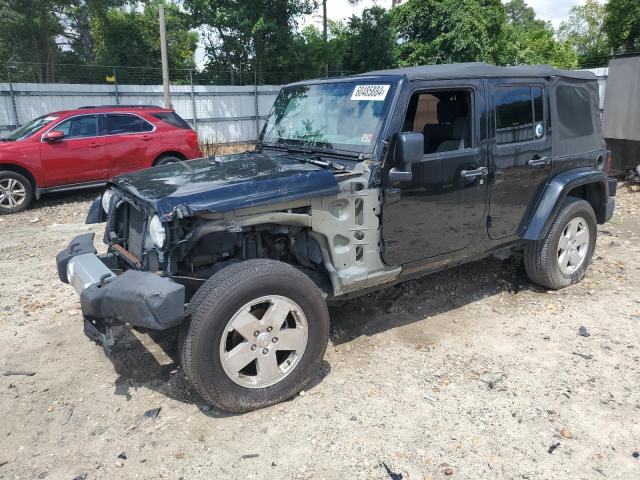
{"type": "Point", "coordinates": [442, 208]}
{"type": "Point", "coordinates": [79, 157]}
{"type": "Point", "coordinates": [521, 153]}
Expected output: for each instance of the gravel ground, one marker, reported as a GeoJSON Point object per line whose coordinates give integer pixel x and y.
{"type": "Point", "coordinates": [470, 373]}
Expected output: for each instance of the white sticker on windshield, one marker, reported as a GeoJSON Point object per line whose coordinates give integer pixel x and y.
{"type": "Point", "coordinates": [375, 93]}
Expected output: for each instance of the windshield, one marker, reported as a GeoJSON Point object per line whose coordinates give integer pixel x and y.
{"type": "Point", "coordinates": [342, 115]}
{"type": "Point", "coordinates": [30, 128]}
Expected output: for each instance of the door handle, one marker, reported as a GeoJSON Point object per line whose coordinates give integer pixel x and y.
{"type": "Point", "coordinates": [538, 162]}
{"type": "Point", "coordinates": [146, 138]}
{"type": "Point", "coordinates": [471, 174]}
{"type": "Point", "coordinates": [95, 145]}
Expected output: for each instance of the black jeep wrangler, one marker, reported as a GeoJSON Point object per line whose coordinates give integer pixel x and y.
{"type": "Point", "coordinates": [356, 184]}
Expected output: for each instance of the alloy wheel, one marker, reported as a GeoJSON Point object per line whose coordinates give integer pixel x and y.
{"type": "Point", "coordinates": [12, 193]}
{"type": "Point", "coordinates": [264, 341]}
{"type": "Point", "coordinates": [573, 245]}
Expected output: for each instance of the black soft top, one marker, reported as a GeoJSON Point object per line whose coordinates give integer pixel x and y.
{"type": "Point", "coordinates": [479, 70]}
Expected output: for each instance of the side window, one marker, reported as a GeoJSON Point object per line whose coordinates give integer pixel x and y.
{"type": "Point", "coordinates": [574, 112]}
{"type": "Point", "coordinates": [519, 114]}
{"type": "Point", "coordinates": [79, 127]}
{"type": "Point", "coordinates": [444, 117]}
{"type": "Point", "coordinates": [122, 123]}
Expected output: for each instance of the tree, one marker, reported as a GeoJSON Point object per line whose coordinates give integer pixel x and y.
{"type": "Point", "coordinates": [29, 30]}
{"type": "Point", "coordinates": [445, 31]}
{"type": "Point", "coordinates": [368, 42]}
{"type": "Point", "coordinates": [528, 40]}
{"type": "Point", "coordinates": [584, 30]}
{"type": "Point", "coordinates": [130, 38]}
{"type": "Point", "coordinates": [622, 24]}
{"type": "Point", "coordinates": [255, 33]}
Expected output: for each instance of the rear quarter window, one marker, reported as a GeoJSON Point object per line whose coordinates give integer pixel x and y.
{"type": "Point", "coordinates": [574, 111]}
{"type": "Point", "coordinates": [173, 119]}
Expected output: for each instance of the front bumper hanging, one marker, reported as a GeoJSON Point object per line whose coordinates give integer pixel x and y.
{"type": "Point", "coordinates": [141, 299]}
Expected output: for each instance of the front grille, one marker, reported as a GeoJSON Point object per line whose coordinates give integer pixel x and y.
{"type": "Point", "coordinates": [135, 241]}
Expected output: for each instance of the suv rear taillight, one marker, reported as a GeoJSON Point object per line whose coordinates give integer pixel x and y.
{"type": "Point", "coordinates": [609, 162]}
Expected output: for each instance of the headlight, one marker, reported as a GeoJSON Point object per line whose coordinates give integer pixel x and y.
{"type": "Point", "coordinates": [157, 232]}
{"type": "Point", "coordinates": [106, 200]}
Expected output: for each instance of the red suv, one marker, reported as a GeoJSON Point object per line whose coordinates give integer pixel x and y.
{"type": "Point", "coordinates": [82, 148]}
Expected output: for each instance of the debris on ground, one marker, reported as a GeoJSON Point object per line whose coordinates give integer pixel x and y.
{"type": "Point", "coordinates": [123, 456]}
{"type": "Point", "coordinates": [152, 413]}
{"type": "Point", "coordinates": [251, 455]}
{"type": "Point", "coordinates": [392, 475]}
{"type": "Point", "coordinates": [553, 447]}
{"type": "Point", "coordinates": [583, 332]}
{"type": "Point", "coordinates": [565, 433]}
{"type": "Point", "coordinates": [586, 356]}
{"type": "Point", "coordinates": [19, 373]}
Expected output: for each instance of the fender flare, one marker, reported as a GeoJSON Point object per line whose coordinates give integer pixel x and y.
{"type": "Point", "coordinates": [555, 194]}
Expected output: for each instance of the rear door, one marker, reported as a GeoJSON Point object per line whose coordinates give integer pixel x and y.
{"type": "Point", "coordinates": [79, 157]}
{"type": "Point", "coordinates": [521, 153]}
{"type": "Point", "coordinates": [131, 142]}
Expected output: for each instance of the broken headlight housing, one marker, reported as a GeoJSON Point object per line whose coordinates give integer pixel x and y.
{"type": "Point", "coordinates": [157, 232]}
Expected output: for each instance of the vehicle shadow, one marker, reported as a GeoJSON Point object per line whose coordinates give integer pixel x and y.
{"type": "Point", "coordinates": [434, 294]}
{"type": "Point", "coordinates": [151, 360]}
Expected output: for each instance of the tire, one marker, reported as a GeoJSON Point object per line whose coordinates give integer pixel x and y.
{"type": "Point", "coordinates": [166, 159]}
{"type": "Point", "coordinates": [16, 192]}
{"type": "Point", "coordinates": [262, 296]}
{"type": "Point", "coordinates": [545, 259]}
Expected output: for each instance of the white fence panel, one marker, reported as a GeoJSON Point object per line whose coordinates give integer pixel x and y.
{"type": "Point", "coordinates": [223, 114]}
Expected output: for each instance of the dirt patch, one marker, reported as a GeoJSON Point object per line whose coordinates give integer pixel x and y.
{"type": "Point", "coordinates": [473, 371]}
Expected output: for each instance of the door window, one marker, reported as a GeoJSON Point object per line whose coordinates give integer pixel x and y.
{"type": "Point", "coordinates": [444, 117]}
{"type": "Point", "coordinates": [519, 114]}
{"type": "Point", "coordinates": [117, 124]}
{"type": "Point", "coordinates": [79, 127]}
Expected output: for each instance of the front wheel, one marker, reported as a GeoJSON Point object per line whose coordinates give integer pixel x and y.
{"type": "Point", "coordinates": [562, 257]}
{"type": "Point", "coordinates": [16, 192]}
{"type": "Point", "coordinates": [256, 336]}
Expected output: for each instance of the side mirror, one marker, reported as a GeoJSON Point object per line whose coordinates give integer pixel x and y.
{"type": "Point", "coordinates": [53, 136]}
{"type": "Point", "coordinates": [409, 150]}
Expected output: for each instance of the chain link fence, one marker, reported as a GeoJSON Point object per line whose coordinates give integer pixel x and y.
{"type": "Point", "coordinates": [25, 72]}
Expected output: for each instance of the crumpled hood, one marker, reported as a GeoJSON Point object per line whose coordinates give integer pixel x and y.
{"type": "Point", "coordinates": [227, 183]}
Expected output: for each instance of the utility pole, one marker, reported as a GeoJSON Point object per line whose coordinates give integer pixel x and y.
{"type": "Point", "coordinates": [324, 35]}
{"type": "Point", "coordinates": [163, 54]}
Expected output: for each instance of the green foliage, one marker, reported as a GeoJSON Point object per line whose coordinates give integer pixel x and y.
{"type": "Point", "coordinates": [584, 31]}
{"type": "Point", "coordinates": [250, 34]}
{"type": "Point", "coordinates": [622, 24]}
{"type": "Point", "coordinates": [366, 42]}
{"type": "Point", "coordinates": [445, 31]}
{"type": "Point", "coordinates": [527, 40]}
{"type": "Point", "coordinates": [28, 29]}
{"type": "Point", "coordinates": [130, 37]}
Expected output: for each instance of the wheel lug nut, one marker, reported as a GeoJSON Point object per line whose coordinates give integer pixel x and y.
{"type": "Point", "coordinates": [269, 329]}
{"type": "Point", "coordinates": [256, 333]}
{"type": "Point", "coordinates": [253, 347]}
{"type": "Point", "coordinates": [274, 339]}
{"type": "Point", "coordinates": [265, 350]}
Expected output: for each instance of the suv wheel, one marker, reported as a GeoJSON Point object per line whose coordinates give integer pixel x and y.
{"type": "Point", "coordinates": [16, 192]}
{"type": "Point", "coordinates": [257, 334]}
{"type": "Point", "coordinates": [563, 256]}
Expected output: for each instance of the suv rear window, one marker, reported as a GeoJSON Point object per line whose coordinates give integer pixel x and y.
{"type": "Point", "coordinates": [172, 118]}
{"type": "Point", "coordinates": [518, 112]}
{"type": "Point", "coordinates": [574, 111]}
{"type": "Point", "coordinates": [122, 123]}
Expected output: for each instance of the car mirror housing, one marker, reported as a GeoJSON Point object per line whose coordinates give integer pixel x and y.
{"type": "Point", "coordinates": [409, 150]}
{"type": "Point", "coordinates": [53, 136]}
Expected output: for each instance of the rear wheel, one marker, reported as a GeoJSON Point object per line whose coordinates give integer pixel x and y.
{"type": "Point", "coordinates": [563, 256]}
{"type": "Point", "coordinates": [256, 335]}
{"type": "Point", "coordinates": [16, 192]}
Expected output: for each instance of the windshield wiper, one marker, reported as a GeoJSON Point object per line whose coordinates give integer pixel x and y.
{"type": "Point", "coordinates": [315, 160]}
